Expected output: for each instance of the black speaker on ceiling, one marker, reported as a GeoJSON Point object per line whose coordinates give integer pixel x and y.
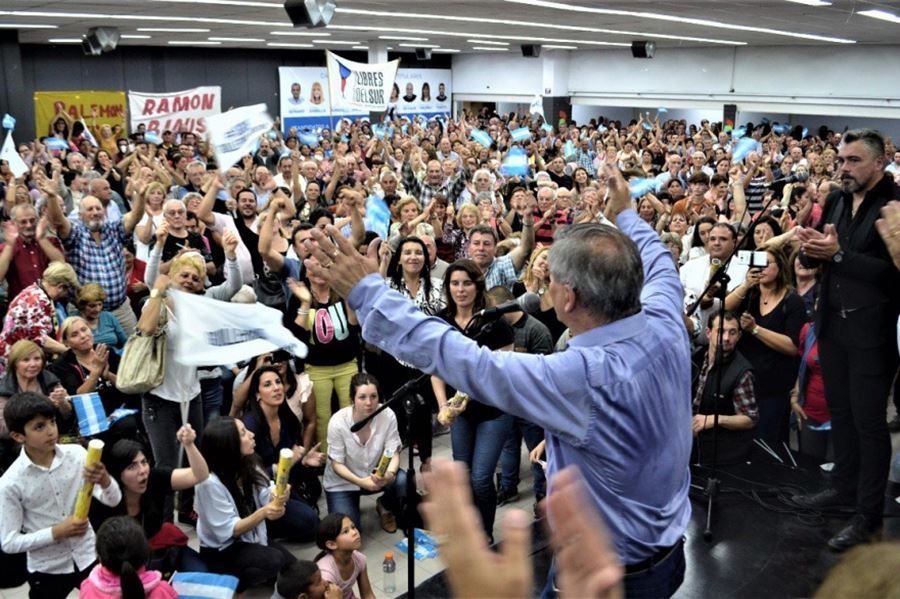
{"type": "Point", "coordinates": [531, 50]}
{"type": "Point", "coordinates": [643, 49]}
{"type": "Point", "coordinates": [310, 13]}
{"type": "Point", "coordinates": [423, 53]}
{"type": "Point", "coordinates": [99, 40]}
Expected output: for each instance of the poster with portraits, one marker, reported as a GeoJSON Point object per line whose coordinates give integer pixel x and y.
{"type": "Point", "coordinates": [303, 93]}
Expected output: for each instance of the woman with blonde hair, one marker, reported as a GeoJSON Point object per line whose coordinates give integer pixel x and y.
{"type": "Point", "coordinates": [104, 325]}
{"type": "Point", "coordinates": [456, 233]}
{"type": "Point", "coordinates": [162, 413]}
{"type": "Point", "coordinates": [315, 94]}
{"type": "Point", "coordinates": [536, 279]}
{"type": "Point", "coordinates": [32, 314]}
{"type": "Point", "coordinates": [413, 220]}
{"type": "Point", "coordinates": [154, 197]}
{"type": "Point", "coordinates": [27, 372]}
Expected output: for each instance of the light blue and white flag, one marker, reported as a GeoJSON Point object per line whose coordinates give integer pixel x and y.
{"type": "Point", "coordinates": [515, 164]}
{"type": "Point", "coordinates": [91, 416]}
{"type": "Point", "coordinates": [56, 143]}
{"type": "Point", "coordinates": [481, 137]}
{"type": "Point", "coordinates": [152, 137]}
{"type": "Point", "coordinates": [547, 127]}
{"type": "Point", "coordinates": [537, 106]}
{"type": "Point", "coordinates": [641, 187]}
{"type": "Point", "coordinates": [9, 122]}
{"type": "Point", "coordinates": [203, 585]}
{"type": "Point", "coordinates": [569, 150]}
{"type": "Point", "coordinates": [378, 216]}
{"type": "Point", "coordinates": [520, 134]}
{"type": "Point", "coordinates": [742, 148]}
{"type": "Point", "coordinates": [308, 138]}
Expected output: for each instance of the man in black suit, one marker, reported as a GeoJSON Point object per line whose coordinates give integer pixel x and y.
{"type": "Point", "coordinates": [856, 323]}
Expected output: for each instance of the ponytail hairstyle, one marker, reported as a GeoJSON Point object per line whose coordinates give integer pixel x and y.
{"type": "Point", "coordinates": [329, 530]}
{"type": "Point", "coordinates": [123, 550]}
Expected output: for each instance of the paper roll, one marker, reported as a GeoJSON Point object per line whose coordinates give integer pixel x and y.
{"type": "Point", "coordinates": [285, 461]}
{"type": "Point", "coordinates": [83, 500]}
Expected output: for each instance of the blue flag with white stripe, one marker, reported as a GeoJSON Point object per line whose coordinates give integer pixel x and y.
{"type": "Point", "coordinates": [515, 164]}
{"type": "Point", "coordinates": [481, 137]}
{"type": "Point", "coordinates": [203, 585]}
{"type": "Point", "coordinates": [9, 122]}
{"type": "Point", "coordinates": [90, 413]}
{"type": "Point", "coordinates": [378, 216]}
{"type": "Point", "coordinates": [308, 139]}
{"type": "Point", "coordinates": [520, 134]}
{"type": "Point", "coordinates": [547, 127]}
{"type": "Point", "coordinates": [152, 137]}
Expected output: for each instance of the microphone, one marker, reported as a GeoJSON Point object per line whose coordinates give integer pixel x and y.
{"type": "Point", "coordinates": [792, 178]}
{"type": "Point", "coordinates": [530, 303]}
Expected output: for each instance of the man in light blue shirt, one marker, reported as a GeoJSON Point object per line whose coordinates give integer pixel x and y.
{"type": "Point", "coordinates": [616, 402]}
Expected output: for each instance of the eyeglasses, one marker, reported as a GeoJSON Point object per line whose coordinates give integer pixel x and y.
{"type": "Point", "coordinates": [175, 212]}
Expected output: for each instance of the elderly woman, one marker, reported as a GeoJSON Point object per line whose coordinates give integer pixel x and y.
{"type": "Point", "coordinates": [162, 413]}
{"type": "Point", "coordinates": [154, 196]}
{"type": "Point", "coordinates": [413, 220]}
{"type": "Point", "coordinates": [27, 373]}
{"type": "Point", "coordinates": [104, 325]}
{"type": "Point", "coordinates": [32, 314]}
{"type": "Point", "coordinates": [89, 367]}
{"type": "Point", "coordinates": [456, 233]}
{"type": "Point", "coordinates": [536, 279]}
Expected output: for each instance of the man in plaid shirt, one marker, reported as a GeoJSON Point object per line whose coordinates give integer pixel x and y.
{"type": "Point", "coordinates": [94, 248]}
{"type": "Point", "coordinates": [434, 183]}
{"type": "Point", "coordinates": [736, 405]}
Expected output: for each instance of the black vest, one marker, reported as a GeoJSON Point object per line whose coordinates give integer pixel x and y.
{"type": "Point", "coordinates": [733, 445]}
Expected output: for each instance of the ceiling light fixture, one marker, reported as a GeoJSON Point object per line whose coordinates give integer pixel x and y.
{"type": "Point", "coordinates": [419, 45]}
{"type": "Point", "coordinates": [192, 43]}
{"type": "Point", "coordinates": [811, 2]}
{"type": "Point", "coordinates": [336, 42]}
{"type": "Point", "coordinates": [246, 3]}
{"type": "Point", "coordinates": [359, 48]}
{"type": "Point", "coordinates": [174, 29]}
{"type": "Point", "coordinates": [130, 36]}
{"type": "Point", "coordinates": [882, 15]}
{"type": "Point", "coordinates": [25, 26]}
{"type": "Point", "coordinates": [488, 42]}
{"type": "Point", "coordinates": [64, 40]}
{"type": "Point", "coordinates": [557, 47]}
{"type": "Point", "coordinates": [121, 17]}
{"type": "Point", "coordinates": [480, 21]}
{"type": "Point", "coordinates": [235, 39]}
{"type": "Point", "coordinates": [675, 19]}
{"type": "Point", "coordinates": [404, 38]}
{"type": "Point", "coordinates": [523, 38]}
{"type": "Point", "coordinates": [301, 33]}
{"type": "Point", "coordinates": [490, 48]}
{"type": "Point", "coordinates": [289, 45]}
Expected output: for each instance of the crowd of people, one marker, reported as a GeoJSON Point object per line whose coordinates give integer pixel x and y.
{"type": "Point", "coordinates": [783, 318]}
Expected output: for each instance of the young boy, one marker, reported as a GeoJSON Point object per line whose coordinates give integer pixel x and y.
{"type": "Point", "coordinates": [303, 580]}
{"type": "Point", "coordinates": [37, 497]}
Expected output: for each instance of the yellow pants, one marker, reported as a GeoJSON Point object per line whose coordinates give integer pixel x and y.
{"type": "Point", "coordinates": [326, 379]}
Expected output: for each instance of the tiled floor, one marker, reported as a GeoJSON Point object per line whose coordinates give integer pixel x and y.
{"type": "Point", "coordinates": [375, 541]}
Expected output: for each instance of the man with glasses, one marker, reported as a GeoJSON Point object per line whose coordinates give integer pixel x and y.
{"type": "Point", "coordinates": [28, 250]}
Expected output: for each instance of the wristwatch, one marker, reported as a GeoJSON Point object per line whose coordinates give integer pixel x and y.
{"type": "Point", "coordinates": [838, 257]}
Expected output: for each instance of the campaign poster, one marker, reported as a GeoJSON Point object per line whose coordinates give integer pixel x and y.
{"type": "Point", "coordinates": [304, 104]}
{"type": "Point", "coordinates": [110, 107]}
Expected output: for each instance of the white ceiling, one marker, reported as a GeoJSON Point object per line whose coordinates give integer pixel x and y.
{"type": "Point", "coordinates": [512, 21]}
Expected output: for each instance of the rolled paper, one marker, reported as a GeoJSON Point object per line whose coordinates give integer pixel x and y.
{"type": "Point", "coordinates": [83, 500]}
{"type": "Point", "coordinates": [384, 462]}
{"type": "Point", "coordinates": [285, 461]}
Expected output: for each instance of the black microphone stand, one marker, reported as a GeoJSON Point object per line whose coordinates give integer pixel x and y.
{"type": "Point", "coordinates": [720, 278]}
{"type": "Point", "coordinates": [411, 402]}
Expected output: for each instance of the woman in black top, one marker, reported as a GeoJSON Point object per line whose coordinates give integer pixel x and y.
{"type": "Point", "coordinates": [772, 315]}
{"type": "Point", "coordinates": [144, 490]}
{"type": "Point", "coordinates": [478, 431]}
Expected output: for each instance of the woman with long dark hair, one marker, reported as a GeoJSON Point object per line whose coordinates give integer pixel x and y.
{"type": "Point", "coordinates": [144, 490]}
{"type": "Point", "coordinates": [276, 427]}
{"type": "Point", "coordinates": [234, 504]}
{"type": "Point", "coordinates": [478, 431]}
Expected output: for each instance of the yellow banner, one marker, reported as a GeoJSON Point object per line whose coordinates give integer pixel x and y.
{"type": "Point", "coordinates": [110, 105]}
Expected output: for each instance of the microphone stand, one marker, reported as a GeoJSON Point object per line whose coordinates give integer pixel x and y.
{"type": "Point", "coordinates": [721, 278]}
{"type": "Point", "coordinates": [411, 402]}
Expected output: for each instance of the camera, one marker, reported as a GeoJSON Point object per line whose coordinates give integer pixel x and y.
{"type": "Point", "coordinates": [752, 259]}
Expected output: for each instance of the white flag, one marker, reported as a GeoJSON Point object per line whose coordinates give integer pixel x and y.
{"type": "Point", "coordinates": [358, 85]}
{"type": "Point", "coordinates": [88, 135]}
{"type": "Point", "coordinates": [217, 332]}
{"type": "Point", "coordinates": [235, 133]}
{"type": "Point", "coordinates": [537, 106]}
{"type": "Point", "coordinates": [16, 165]}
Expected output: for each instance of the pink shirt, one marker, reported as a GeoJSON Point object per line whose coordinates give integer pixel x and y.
{"type": "Point", "coordinates": [330, 571]}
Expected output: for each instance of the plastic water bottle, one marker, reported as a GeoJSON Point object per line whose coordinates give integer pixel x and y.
{"type": "Point", "coordinates": [388, 568]}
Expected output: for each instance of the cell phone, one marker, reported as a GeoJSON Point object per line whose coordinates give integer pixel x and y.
{"type": "Point", "coordinates": [752, 259]}
{"type": "Point", "coordinates": [778, 212]}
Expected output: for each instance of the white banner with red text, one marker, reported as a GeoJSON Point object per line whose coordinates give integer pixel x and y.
{"type": "Point", "coordinates": [183, 111]}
